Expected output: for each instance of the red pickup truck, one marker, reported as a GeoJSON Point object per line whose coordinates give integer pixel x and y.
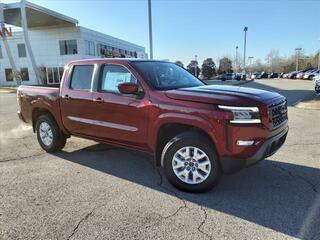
{"type": "Point", "coordinates": [195, 131]}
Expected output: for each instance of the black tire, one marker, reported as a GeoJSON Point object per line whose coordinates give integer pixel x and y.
{"type": "Point", "coordinates": [58, 140]}
{"type": "Point", "coordinates": [201, 142]}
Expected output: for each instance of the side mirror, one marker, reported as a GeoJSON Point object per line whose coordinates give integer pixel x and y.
{"type": "Point", "coordinates": [128, 88]}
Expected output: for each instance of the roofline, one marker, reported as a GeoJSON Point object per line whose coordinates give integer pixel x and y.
{"type": "Point", "coordinates": [115, 38]}
{"type": "Point", "coordinates": [95, 60]}
{"type": "Point", "coordinates": [42, 9]}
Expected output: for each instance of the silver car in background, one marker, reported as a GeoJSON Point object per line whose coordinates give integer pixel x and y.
{"type": "Point", "coordinates": [317, 84]}
{"type": "Point", "coordinates": [309, 75]}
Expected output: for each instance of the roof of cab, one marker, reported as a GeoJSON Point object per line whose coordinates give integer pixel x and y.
{"type": "Point", "coordinates": [104, 60]}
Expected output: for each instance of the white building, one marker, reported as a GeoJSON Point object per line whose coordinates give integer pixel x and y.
{"type": "Point", "coordinates": [55, 39]}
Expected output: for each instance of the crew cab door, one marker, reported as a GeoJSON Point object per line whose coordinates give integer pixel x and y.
{"type": "Point", "coordinates": [117, 117]}
{"type": "Point", "coordinates": [76, 99]}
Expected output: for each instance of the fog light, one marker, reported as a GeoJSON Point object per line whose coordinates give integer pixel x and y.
{"type": "Point", "coordinates": [245, 143]}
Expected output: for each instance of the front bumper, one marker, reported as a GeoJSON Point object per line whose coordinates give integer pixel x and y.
{"type": "Point", "coordinates": [268, 148]}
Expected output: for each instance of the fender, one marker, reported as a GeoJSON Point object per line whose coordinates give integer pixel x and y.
{"type": "Point", "coordinates": [52, 106]}
{"type": "Point", "coordinates": [179, 118]}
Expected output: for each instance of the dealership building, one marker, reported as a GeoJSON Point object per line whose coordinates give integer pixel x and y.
{"type": "Point", "coordinates": [42, 41]}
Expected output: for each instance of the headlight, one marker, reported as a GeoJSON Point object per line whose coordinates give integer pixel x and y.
{"type": "Point", "coordinates": [243, 114]}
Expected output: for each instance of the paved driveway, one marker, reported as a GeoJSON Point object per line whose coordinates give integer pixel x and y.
{"type": "Point", "coordinates": [93, 191]}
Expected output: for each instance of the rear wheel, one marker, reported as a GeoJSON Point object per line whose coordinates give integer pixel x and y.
{"type": "Point", "coordinates": [190, 162]}
{"type": "Point", "coordinates": [49, 136]}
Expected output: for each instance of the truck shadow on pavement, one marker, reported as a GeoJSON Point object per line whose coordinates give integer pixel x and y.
{"type": "Point", "coordinates": [273, 194]}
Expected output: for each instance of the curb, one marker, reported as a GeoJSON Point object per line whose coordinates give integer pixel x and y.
{"type": "Point", "coordinates": [8, 91]}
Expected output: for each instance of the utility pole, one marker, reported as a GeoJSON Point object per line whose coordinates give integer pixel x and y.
{"type": "Point", "coordinates": [195, 66]}
{"type": "Point", "coordinates": [250, 62]}
{"type": "Point", "coordinates": [24, 23]}
{"type": "Point", "coordinates": [297, 57]}
{"type": "Point", "coordinates": [319, 60]}
{"type": "Point", "coordinates": [237, 66]}
{"type": "Point", "coordinates": [150, 29]}
{"type": "Point", "coordinates": [15, 72]}
{"type": "Point", "coordinates": [245, 29]}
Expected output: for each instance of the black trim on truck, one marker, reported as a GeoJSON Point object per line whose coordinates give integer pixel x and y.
{"type": "Point", "coordinates": [268, 148]}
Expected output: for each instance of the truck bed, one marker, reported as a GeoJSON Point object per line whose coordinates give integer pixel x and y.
{"type": "Point", "coordinates": [38, 97]}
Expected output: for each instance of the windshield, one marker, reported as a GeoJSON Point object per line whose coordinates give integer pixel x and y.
{"type": "Point", "coordinates": [165, 75]}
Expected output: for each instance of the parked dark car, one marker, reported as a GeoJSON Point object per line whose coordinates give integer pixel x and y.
{"type": "Point", "coordinates": [273, 75]}
{"type": "Point", "coordinates": [292, 75]}
{"type": "Point", "coordinates": [263, 75]}
{"type": "Point", "coordinates": [317, 85]}
{"type": "Point", "coordinates": [255, 75]}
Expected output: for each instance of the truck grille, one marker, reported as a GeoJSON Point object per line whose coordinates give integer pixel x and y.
{"type": "Point", "coordinates": [278, 113]}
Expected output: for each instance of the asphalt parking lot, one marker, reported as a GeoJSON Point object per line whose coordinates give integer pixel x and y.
{"type": "Point", "coordinates": [93, 191]}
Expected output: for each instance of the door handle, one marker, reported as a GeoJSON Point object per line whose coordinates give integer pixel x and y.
{"type": "Point", "coordinates": [98, 100]}
{"type": "Point", "coordinates": [66, 97]}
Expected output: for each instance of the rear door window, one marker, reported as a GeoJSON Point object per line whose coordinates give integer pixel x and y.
{"type": "Point", "coordinates": [81, 77]}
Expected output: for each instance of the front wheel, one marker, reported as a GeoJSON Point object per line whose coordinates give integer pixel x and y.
{"type": "Point", "coordinates": [50, 138]}
{"type": "Point", "coordinates": [190, 162]}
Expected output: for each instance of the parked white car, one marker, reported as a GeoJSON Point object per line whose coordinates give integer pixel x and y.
{"type": "Point", "coordinates": [311, 74]}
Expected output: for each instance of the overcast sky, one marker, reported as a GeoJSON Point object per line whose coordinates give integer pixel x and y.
{"type": "Point", "coordinates": [208, 28]}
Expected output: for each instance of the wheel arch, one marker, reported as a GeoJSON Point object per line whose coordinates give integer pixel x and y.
{"type": "Point", "coordinates": [39, 111]}
{"type": "Point", "coordinates": [167, 130]}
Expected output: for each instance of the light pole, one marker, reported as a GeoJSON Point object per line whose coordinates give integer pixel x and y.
{"type": "Point", "coordinates": [237, 69]}
{"type": "Point", "coordinates": [319, 60]}
{"type": "Point", "coordinates": [250, 62]}
{"type": "Point", "coordinates": [150, 29]}
{"type": "Point", "coordinates": [195, 65]}
{"type": "Point", "coordinates": [244, 49]}
{"type": "Point", "coordinates": [297, 57]}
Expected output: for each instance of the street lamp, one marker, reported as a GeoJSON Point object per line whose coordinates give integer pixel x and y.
{"type": "Point", "coordinates": [250, 62]}
{"type": "Point", "coordinates": [237, 69]}
{"type": "Point", "coordinates": [150, 29]}
{"type": "Point", "coordinates": [297, 57]}
{"type": "Point", "coordinates": [195, 65]}
{"type": "Point", "coordinates": [319, 60]}
{"type": "Point", "coordinates": [244, 49]}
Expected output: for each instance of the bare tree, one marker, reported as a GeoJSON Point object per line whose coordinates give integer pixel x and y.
{"type": "Point", "coordinates": [179, 63]}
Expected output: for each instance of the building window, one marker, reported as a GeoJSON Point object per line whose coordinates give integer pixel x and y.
{"type": "Point", "coordinates": [89, 47]}
{"type": "Point", "coordinates": [22, 50]}
{"type": "Point", "coordinates": [81, 77]}
{"type": "Point", "coordinates": [68, 47]}
{"type": "Point", "coordinates": [24, 74]}
{"type": "Point", "coordinates": [54, 74]}
{"type": "Point", "coordinates": [43, 74]}
{"type": "Point", "coordinates": [9, 74]}
{"type": "Point", "coordinates": [61, 70]}
{"type": "Point", "coordinates": [102, 49]}
{"type": "Point", "coordinates": [1, 56]}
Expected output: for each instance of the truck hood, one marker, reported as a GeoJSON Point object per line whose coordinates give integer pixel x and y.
{"type": "Point", "coordinates": [222, 94]}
